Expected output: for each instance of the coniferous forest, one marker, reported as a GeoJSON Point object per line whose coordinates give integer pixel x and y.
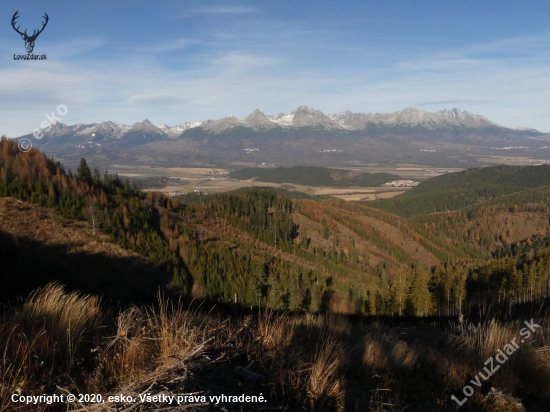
{"type": "Point", "coordinates": [297, 269]}
{"type": "Point", "coordinates": [305, 255]}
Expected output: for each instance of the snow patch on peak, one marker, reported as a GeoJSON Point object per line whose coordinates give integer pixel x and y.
{"type": "Point", "coordinates": [303, 109]}
{"type": "Point", "coordinates": [178, 129]}
{"type": "Point", "coordinates": [282, 119]}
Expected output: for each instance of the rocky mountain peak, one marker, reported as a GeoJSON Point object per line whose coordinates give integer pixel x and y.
{"type": "Point", "coordinates": [257, 120]}
{"type": "Point", "coordinates": [466, 118]}
{"type": "Point", "coordinates": [305, 116]}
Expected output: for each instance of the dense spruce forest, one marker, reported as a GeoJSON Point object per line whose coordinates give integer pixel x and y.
{"type": "Point", "coordinates": [262, 248]}
{"type": "Point", "coordinates": [455, 191]}
{"type": "Point", "coordinates": [313, 176]}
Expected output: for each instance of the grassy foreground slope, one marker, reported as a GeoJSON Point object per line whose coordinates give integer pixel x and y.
{"type": "Point", "coordinates": [55, 342]}
{"type": "Point", "coordinates": [314, 176]}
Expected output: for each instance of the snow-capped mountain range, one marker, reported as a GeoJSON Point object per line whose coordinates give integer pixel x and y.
{"type": "Point", "coordinates": [301, 118]}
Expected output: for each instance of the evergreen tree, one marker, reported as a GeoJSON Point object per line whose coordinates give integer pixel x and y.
{"type": "Point", "coordinates": [420, 297]}
{"type": "Point", "coordinates": [294, 297]}
{"type": "Point", "coordinates": [275, 297]}
{"type": "Point", "coordinates": [316, 295]}
{"type": "Point", "coordinates": [253, 292]}
{"type": "Point", "coordinates": [372, 303]}
{"type": "Point", "coordinates": [96, 179]}
{"type": "Point", "coordinates": [83, 172]}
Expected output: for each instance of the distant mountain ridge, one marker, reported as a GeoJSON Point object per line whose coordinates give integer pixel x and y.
{"type": "Point", "coordinates": [412, 117]}
{"type": "Point", "coordinates": [301, 118]}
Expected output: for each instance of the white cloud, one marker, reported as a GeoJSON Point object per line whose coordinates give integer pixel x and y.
{"type": "Point", "coordinates": [218, 10]}
{"type": "Point", "coordinates": [154, 99]}
{"type": "Point", "coordinates": [464, 101]}
{"type": "Point", "coordinates": [128, 88]}
{"type": "Point", "coordinates": [165, 46]}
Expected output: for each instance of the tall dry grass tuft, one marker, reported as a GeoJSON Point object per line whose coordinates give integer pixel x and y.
{"type": "Point", "coordinates": [491, 337]}
{"type": "Point", "coordinates": [19, 362]}
{"type": "Point", "coordinates": [326, 382]}
{"type": "Point", "coordinates": [40, 338]}
{"type": "Point", "coordinates": [275, 331]}
{"type": "Point", "coordinates": [176, 332]}
{"type": "Point", "coordinates": [374, 357]}
{"type": "Point", "coordinates": [65, 317]}
{"type": "Point", "coordinates": [522, 372]}
{"type": "Point", "coordinates": [402, 358]}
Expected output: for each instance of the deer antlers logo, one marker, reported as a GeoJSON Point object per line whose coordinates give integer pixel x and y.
{"type": "Point", "coordinates": [29, 40]}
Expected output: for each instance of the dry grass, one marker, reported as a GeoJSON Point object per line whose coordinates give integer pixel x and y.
{"type": "Point", "coordinates": [275, 332]}
{"type": "Point", "coordinates": [178, 334]}
{"type": "Point", "coordinates": [526, 368]}
{"type": "Point", "coordinates": [66, 317]}
{"type": "Point", "coordinates": [326, 384]}
{"type": "Point", "coordinates": [55, 340]}
{"type": "Point", "coordinates": [402, 357]}
{"type": "Point", "coordinates": [44, 334]}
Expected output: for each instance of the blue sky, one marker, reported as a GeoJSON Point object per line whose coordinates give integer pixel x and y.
{"type": "Point", "coordinates": [178, 61]}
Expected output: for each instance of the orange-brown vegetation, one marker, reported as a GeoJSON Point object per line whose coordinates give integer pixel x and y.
{"type": "Point", "coordinates": [58, 342]}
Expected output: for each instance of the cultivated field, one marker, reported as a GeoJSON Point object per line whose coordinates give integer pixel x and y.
{"type": "Point", "coordinates": [212, 180]}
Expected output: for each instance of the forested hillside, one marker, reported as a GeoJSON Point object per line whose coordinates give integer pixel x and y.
{"type": "Point", "coordinates": [262, 248]}
{"type": "Point", "coordinates": [313, 176]}
{"type": "Point", "coordinates": [454, 191]}
{"type": "Point", "coordinates": [505, 175]}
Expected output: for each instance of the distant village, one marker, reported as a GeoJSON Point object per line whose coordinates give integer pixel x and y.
{"type": "Point", "coordinates": [211, 172]}
{"type": "Point", "coordinates": [83, 146]}
{"type": "Point", "coordinates": [438, 172]}
{"type": "Point", "coordinates": [509, 147]}
{"type": "Point", "coordinates": [401, 183]}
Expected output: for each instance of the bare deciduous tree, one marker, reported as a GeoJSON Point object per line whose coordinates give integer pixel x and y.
{"type": "Point", "coordinates": [95, 213]}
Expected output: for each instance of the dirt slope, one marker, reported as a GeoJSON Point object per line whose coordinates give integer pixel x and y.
{"type": "Point", "coordinates": [37, 246]}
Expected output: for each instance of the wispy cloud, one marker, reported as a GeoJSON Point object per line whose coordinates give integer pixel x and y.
{"type": "Point", "coordinates": [465, 101]}
{"type": "Point", "coordinates": [154, 99]}
{"type": "Point", "coordinates": [230, 9]}
{"type": "Point", "coordinates": [165, 46]}
{"type": "Point", "coordinates": [75, 46]}
{"type": "Point", "coordinates": [274, 65]}
{"type": "Point", "coordinates": [218, 10]}
{"type": "Point", "coordinates": [243, 61]}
